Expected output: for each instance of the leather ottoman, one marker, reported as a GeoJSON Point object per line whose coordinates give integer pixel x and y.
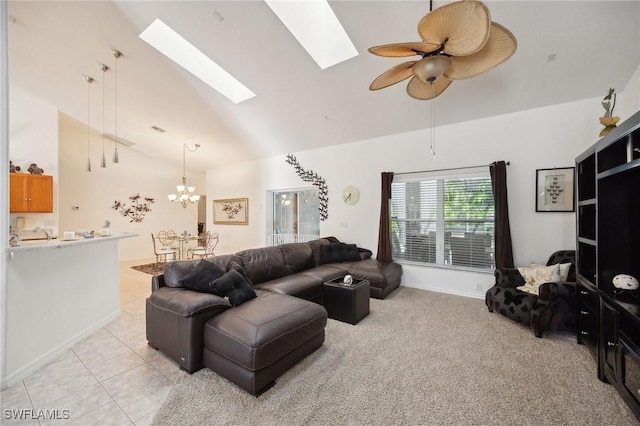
{"type": "Point", "coordinates": [254, 343]}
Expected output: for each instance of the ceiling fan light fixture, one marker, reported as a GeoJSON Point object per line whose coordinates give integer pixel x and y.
{"type": "Point", "coordinates": [430, 68]}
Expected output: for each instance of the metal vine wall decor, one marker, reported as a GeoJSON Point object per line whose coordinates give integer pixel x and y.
{"type": "Point", "coordinates": [311, 176]}
{"type": "Point", "coordinates": [137, 210]}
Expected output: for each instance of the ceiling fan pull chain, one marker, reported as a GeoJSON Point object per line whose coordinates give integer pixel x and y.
{"type": "Point", "coordinates": [433, 123]}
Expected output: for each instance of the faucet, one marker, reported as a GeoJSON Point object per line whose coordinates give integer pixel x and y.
{"type": "Point", "coordinates": [46, 231]}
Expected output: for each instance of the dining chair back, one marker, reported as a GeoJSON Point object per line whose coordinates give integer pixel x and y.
{"type": "Point", "coordinates": [167, 238]}
{"type": "Point", "coordinates": [163, 254]}
{"type": "Point", "coordinates": [206, 250]}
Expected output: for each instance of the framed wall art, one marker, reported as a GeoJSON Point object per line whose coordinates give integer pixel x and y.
{"type": "Point", "coordinates": [555, 190]}
{"type": "Point", "coordinates": [231, 211]}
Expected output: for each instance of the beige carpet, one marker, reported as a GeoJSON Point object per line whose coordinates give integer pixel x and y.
{"type": "Point", "coordinates": [419, 358]}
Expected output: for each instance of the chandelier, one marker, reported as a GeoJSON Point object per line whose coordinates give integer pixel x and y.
{"type": "Point", "coordinates": [185, 193]}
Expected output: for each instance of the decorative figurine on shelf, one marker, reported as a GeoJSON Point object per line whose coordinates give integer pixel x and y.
{"type": "Point", "coordinates": [608, 120]}
{"type": "Point", "coordinates": [35, 170]}
{"type": "Point", "coordinates": [13, 168]}
{"type": "Point", "coordinates": [624, 283]}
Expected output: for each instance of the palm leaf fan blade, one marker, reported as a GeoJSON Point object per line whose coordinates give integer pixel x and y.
{"type": "Point", "coordinates": [462, 27]}
{"type": "Point", "coordinates": [418, 89]}
{"type": "Point", "coordinates": [500, 46]}
{"type": "Point", "coordinates": [392, 76]}
{"type": "Point", "coordinates": [395, 50]}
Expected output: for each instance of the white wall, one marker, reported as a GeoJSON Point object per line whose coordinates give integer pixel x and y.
{"type": "Point", "coordinates": [628, 101]}
{"type": "Point", "coordinates": [94, 193]}
{"type": "Point", "coordinates": [33, 138]}
{"type": "Point", "coordinates": [57, 143]}
{"type": "Point", "coordinates": [535, 139]}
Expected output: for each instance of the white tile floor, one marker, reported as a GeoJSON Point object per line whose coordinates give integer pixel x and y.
{"type": "Point", "coordinates": [112, 377]}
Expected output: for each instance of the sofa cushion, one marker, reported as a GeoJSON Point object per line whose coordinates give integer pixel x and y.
{"type": "Point", "coordinates": [235, 286]}
{"type": "Point", "coordinates": [340, 252]}
{"type": "Point", "coordinates": [263, 330]}
{"type": "Point", "coordinates": [328, 272]}
{"type": "Point", "coordinates": [380, 274]}
{"type": "Point", "coordinates": [297, 257]}
{"type": "Point", "coordinates": [263, 264]}
{"type": "Point", "coordinates": [175, 271]}
{"type": "Point", "coordinates": [302, 285]}
{"type": "Point", "coordinates": [533, 277]}
{"type": "Point", "coordinates": [316, 249]}
{"type": "Point", "coordinates": [186, 303]}
{"type": "Point", "coordinates": [200, 278]}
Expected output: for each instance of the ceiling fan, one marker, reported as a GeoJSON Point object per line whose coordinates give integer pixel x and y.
{"type": "Point", "coordinates": [459, 41]}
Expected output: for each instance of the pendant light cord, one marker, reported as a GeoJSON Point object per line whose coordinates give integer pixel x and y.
{"type": "Point", "coordinates": [116, 158]}
{"type": "Point", "coordinates": [104, 68]}
{"type": "Point", "coordinates": [89, 81]}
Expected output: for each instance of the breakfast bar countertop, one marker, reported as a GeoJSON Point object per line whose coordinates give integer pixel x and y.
{"type": "Point", "coordinates": [33, 245]}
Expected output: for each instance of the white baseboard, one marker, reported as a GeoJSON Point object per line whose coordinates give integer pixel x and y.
{"type": "Point", "coordinates": [473, 295]}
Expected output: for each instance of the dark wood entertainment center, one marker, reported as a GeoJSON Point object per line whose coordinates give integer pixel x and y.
{"type": "Point", "coordinates": [608, 244]}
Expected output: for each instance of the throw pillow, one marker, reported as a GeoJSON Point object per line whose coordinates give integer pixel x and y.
{"type": "Point", "coordinates": [564, 269]}
{"type": "Point", "coordinates": [533, 277]}
{"type": "Point", "coordinates": [234, 286]}
{"type": "Point", "coordinates": [340, 252]}
{"type": "Point", "coordinates": [201, 276]}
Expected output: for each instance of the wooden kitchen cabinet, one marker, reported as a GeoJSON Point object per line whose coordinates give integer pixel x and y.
{"type": "Point", "coordinates": [30, 193]}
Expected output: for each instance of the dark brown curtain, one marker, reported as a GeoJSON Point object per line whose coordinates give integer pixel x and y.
{"type": "Point", "coordinates": [504, 250]}
{"type": "Point", "coordinates": [384, 238]}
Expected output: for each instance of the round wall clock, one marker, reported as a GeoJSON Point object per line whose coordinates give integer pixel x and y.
{"type": "Point", "coordinates": [350, 194]}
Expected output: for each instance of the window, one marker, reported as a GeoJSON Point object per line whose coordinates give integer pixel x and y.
{"type": "Point", "coordinates": [294, 216]}
{"type": "Point", "coordinates": [443, 218]}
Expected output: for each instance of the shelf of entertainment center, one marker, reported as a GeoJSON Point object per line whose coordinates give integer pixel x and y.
{"type": "Point", "coordinates": [608, 320]}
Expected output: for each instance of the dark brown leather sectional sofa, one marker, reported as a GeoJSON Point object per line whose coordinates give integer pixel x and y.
{"type": "Point", "coordinates": [253, 343]}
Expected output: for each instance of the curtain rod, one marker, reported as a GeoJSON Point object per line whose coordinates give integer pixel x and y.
{"type": "Point", "coordinates": [446, 170]}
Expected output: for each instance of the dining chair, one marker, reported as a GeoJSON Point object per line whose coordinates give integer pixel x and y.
{"type": "Point", "coordinates": [163, 253]}
{"type": "Point", "coordinates": [167, 238]}
{"type": "Point", "coordinates": [206, 250]}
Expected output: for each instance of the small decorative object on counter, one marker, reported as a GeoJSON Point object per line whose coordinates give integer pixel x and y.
{"type": "Point", "coordinates": [608, 120]}
{"type": "Point", "coordinates": [88, 234]}
{"type": "Point", "coordinates": [35, 170]}
{"type": "Point", "coordinates": [13, 168]}
{"type": "Point", "coordinates": [14, 237]}
{"type": "Point", "coordinates": [105, 231]}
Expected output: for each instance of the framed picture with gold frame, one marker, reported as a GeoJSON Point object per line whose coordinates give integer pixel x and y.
{"type": "Point", "coordinates": [231, 211]}
{"type": "Point", "coordinates": [554, 190]}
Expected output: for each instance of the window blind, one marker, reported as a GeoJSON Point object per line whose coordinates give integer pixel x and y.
{"type": "Point", "coordinates": [443, 218]}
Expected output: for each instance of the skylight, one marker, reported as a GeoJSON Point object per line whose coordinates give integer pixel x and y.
{"type": "Point", "coordinates": [179, 50]}
{"type": "Point", "coordinates": [317, 29]}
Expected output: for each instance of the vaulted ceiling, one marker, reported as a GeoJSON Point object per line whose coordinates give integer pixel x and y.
{"type": "Point", "coordinates": [567, 51]}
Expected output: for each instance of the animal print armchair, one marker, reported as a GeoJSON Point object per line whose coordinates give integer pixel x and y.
{"type": "Point", "coordinates": [554, 305]}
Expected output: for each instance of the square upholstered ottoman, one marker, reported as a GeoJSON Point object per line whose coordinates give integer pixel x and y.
{"type": "Point", "coordinates": [254, 343]}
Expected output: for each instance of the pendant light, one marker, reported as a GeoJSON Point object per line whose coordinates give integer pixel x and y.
{"type": "Point", "coordinates": [116, 158]}
{"type": "Point", "coordinates": [185, 193]}
{"type": "Point", "coordinates": [104, 68]}
{"type": "Point", "coordinates": [89, 81]}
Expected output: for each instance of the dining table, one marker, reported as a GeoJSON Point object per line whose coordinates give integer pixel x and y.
{"type": "Point", "coordinates": [183, 240]}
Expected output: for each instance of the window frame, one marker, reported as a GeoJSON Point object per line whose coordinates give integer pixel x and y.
{"type": "Point", "coordinates": [432, 242]}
